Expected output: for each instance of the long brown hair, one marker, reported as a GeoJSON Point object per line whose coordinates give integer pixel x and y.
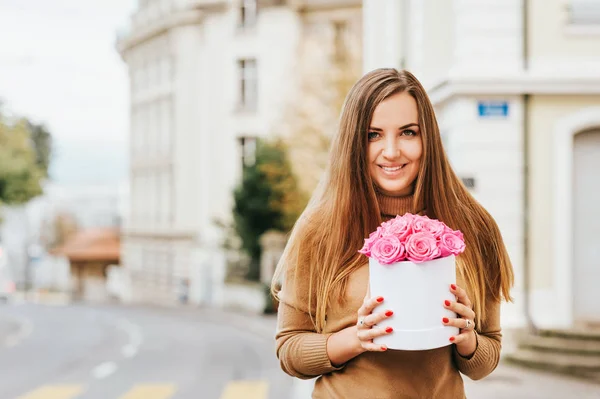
{"type": "Point", "coordinates": [343, 210]}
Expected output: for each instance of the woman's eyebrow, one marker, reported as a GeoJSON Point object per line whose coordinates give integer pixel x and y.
{"type": "Point", "coordinates": [400, 128]}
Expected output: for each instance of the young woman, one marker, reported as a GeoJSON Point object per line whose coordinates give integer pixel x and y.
{"type": "Point", "coordinates": [386, 159]}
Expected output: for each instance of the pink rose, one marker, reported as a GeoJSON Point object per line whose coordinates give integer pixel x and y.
{"type": "Point", "coordinates": [400, 227]}
{"type": "Point", "coordinates": [421, 247]}
{"type": "Point", "coordinates": [369, 242]}
{"type": "Point", "coordinates": [451, 243]}
{"type": "Point", "coordinates": [423, 223]}
{"type": "Point", "coordinates": [388, 250]}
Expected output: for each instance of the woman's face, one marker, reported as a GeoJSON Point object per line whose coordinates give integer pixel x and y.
{"type": "Point", "coordinates": [395, 147]}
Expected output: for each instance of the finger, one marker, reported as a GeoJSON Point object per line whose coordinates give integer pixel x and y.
{"type": "Point", "coordinates": [461, 295]}
{"type": "Point", "coordinates": [462, 337]}
{"type": "Point", "coordinates": [459, 323]}
{"type": "Point", "coordinates": [372, 333]}
{"type": "Point", "coordinates": [368, 305]}
{"type": "Point", "coordinates": [372, 347]}
{"type": "Point", "coordinates": [460, 309]}
{"type": "Point", "coordinates": [376, 318]}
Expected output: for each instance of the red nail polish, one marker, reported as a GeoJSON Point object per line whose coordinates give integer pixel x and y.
{"type": "Point", "coordinates": [380, 299]}
{"type": "Point", "coordinates": [451, 339]}
{"type": "Point", "coordinates": [447, 302]}
{"type": "Point", "coordinates": [389, 313]}
{"type": "Point", "coordinates": [453, 286]}
{"type": "Point", "coordinates": [389, 330]}
{"type": "Point", "coordinates": [383, 348]}
{"type": "Point", "coordinates": [445, 320]}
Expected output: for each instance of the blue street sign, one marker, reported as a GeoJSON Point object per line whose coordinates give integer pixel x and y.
{"type": "Point", "coordinates": [493, 109]}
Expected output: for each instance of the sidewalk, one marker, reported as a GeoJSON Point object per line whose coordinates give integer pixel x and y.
{"type": "Point", "coordinates": [506, 382]}
{"type": "Point", "coordinates": [41, 297]}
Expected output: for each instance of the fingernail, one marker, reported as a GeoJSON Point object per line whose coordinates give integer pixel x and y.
{"type": "Point", "coordinates": [445, 320]}
{"type": "Point", "coordinates": [389, 313]}
{"type": "Point", "coordinates": [389, 330]}
{"type": "Point", "coordinates": [451, 339]}
{"type": "Point", "coordinates": [447, 302]}
{"type": "Point", "coordinates": [383, 348]}
{"type": "Point", "coordinates": [380, 299]}
{"type": "Point", "coordinates": [453, 286]}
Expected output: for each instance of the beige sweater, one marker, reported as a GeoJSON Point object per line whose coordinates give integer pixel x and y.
{"type": "Point", "coordinates": [377, 375]}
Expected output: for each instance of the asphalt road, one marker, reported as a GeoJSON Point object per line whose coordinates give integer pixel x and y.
{"type": "Point", "coordinates": [115, 352]}
{"type": "Point", "coordinates": [105, 352]}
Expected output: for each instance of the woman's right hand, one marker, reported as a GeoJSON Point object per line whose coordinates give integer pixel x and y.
{"type": "Point", "coordinates": [367, 330]}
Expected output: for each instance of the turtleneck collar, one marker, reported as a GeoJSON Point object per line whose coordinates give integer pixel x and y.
{"type": "Point", "coordinates": [391, 206]}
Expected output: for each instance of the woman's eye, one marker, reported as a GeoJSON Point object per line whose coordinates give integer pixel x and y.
{"type": "Point", "coordinates": [373, 135]}
{"type": "Point", "coordinates": [409, 133]}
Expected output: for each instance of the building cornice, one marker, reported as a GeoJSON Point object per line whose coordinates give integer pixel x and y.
{"type": "Point", "coordinates": [517, 85]}
{"type": "Point", "coordinates": [322, 5]}
{"type": "Point", "coordinates": [175, 19]}
{"type": "Point", "coordinates": [159, 233]}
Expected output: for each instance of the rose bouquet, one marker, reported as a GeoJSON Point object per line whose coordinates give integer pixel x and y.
{"type": "Point", "coordinates": [412, 264]}
{"type": "Point", "coordinates": [414, 238]}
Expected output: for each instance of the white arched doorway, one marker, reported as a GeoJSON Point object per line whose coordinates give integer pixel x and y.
{"type": "Point", "coordinates": [574, 286]}
{"type": "Point", "coordinates": [586, 226]}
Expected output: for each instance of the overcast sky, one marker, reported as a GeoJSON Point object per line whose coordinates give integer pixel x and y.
{"type": "Point", "coordinates": [58, 66]}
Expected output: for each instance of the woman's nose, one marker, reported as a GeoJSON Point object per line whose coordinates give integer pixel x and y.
{"type": "Point", "coordinates": [391, 149]}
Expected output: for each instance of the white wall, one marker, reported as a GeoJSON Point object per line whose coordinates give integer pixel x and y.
{"type": "Point", "coordinates": [490, 150]}
{"type": "Point", "coordinates": [557, 47]}
{"type": "Point", "coordinates": [384, 40]}
{"type": "Point", "coordinates": [488, 37]}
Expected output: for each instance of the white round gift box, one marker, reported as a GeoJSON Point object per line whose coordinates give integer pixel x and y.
{"type": "Point", "coordinates": [415, 292]}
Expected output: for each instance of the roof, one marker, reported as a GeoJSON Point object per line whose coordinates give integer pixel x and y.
{"type": "Point", "coordinates": [98, 244]}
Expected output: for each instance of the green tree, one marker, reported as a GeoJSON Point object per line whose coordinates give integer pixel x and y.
{"type": "Point", "coordinates": [42, 141]}
{"type": "Point", "coordinates": [24, 158]}
{"type": "Point", "coordinates": [266, 199]}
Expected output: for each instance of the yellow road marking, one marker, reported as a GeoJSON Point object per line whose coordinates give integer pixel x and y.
{"type": "Point", "coordinates": [150, 391]}
{"type": "Point", "coordinates": [245, 390]}
{"type": "Point", "coordinates": [54, 392]}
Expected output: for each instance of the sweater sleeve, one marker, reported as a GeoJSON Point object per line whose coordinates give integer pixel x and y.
{"type": "Point", "coordinates": [489, 342]}
{"type": "Point", "coordinates": [301, 351]}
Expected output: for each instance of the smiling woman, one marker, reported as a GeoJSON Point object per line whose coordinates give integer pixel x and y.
{"type": "Point", "coordinates": [387, 159]}
{"type": "Point", "coordinates": [395, 145]}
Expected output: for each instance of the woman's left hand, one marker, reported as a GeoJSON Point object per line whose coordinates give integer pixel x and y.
{"type": "Point", "coordinates": [466, 340]}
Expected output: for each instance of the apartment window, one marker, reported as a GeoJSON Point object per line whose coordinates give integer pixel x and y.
{"type": "Point", "coordinates": [584, 13]}
{"type": "Point", "coordinates": [248, 13]}
{"type": "Point", "coordinates": [248, 150]}
{"type": "Point", "coordinates": [248, 84]}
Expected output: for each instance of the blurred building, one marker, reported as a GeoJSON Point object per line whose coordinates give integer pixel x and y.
{"type": "Point", "coordinates": [208, 77]}
{"type": "Point", "coordinates": [516, 86]}
{"type": "Point", "coordinates": [28, 230]}
{"type": "Point", "coordinates": [91, 252]}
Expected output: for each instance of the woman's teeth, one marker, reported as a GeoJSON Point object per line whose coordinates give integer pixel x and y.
{"type": "Point", "coordinates": [392, 169]}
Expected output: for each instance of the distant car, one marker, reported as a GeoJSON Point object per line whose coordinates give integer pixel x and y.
{"type": "Point", "coordinates": [7, 285]}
